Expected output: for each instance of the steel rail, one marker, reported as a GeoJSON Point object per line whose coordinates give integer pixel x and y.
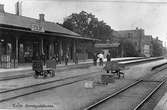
{"type": "Point", "coordinates": [71, 67]}
{"type": "Point", "coordinates": [82, 77]}
{"type": "Point", "coordinates": [124, 89]}
{"type": "Point", "coordinates": [31, 73]}
{"type": "Point", "coordinates": [112, 95]}
{"type": "Point", "coordinates": [34, 85]}
{"type": "Point", "coordinates": [149, 95]}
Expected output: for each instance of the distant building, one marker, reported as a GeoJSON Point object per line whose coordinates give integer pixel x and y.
{"type": "Point", "coordinates": [157, 47]}
{"type": "Point", "coordinates": [141, 42]}
{"type": "Point", "coordinates": [135, 36]}
{"type": "Point", "coordinates": [159, 42]}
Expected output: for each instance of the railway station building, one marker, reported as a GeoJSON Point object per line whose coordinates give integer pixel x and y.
{"type": "Point", "coordinates": [25, 39]}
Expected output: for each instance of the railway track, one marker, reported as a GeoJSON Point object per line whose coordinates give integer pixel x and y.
{"type": "Point", "coordinates": [129, 98]}
{"type": "Point", "coordinates": [70, 68]}
{"type": "Point", "coordinates": [10, 94]}
{"type": "Point", "coordinates": [149, 95]}
{"type": "Point", "coordinates": [7, 95]}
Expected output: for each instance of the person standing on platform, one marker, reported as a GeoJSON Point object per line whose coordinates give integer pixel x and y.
{"type": "Point", "coordinates": [44, 59]}
{"type": "Point", "coordinates": [101, 58]}
{"type": "Point", "coordinates": [94, 59]}
{"type": "Point", "coordinates": [66, 59]}
{"type": "Point", "coordinates": [53, 58]}
{"type": "Point", "coordinates": [108, 57]}
{"type": "Point", "coordinates": [57, 59]}
{"type": "Point", "coordinates": [76, 58]}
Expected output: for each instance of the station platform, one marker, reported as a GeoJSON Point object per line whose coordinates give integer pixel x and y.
{"type": "Point", "coordinates": [24, 70]}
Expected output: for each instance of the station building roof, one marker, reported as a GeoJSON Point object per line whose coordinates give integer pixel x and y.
{"type": "Point", "coordinates": [27, 23]}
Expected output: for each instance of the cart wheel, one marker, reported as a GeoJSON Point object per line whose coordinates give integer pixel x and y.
{"type": "Point", "coordinates": [105, 83]}
{"type": "Point", "coordinates": [118, 74]}
{"type": "Point", "coordinates": [35, 76]}
{"type": "Point", "coordinates": [121, 74]}
{"type": "Point", "coordinates": [107, 71]}
{"type": "Point", "coordinates": [52, 73]}
{"type": "Point", "coordinates": [48, 74]}
{"type": "Point", "coordinates": [44, 74]}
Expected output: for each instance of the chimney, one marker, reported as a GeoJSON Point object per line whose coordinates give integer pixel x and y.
{"type": "Point", "coordinates": [42, 22]}
{"type": "Point", "coordinates": [18, 8]}
{"type": "Point", "coordinates": [2, 8]}
{"type": "Point", "coordinates": [42, 17]}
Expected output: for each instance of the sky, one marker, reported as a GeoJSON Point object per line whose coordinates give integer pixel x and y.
{"type": "Point", "coordinates": [149, 15]}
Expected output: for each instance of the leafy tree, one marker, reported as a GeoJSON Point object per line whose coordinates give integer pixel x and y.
{"type": "Point", "coordinates": [127, 48]}
{"type": "Point", "coordinates": [87, 25]}
{"type": "Point", "coordinates": [157, 50]}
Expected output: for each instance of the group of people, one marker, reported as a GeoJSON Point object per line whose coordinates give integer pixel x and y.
{"type": "Point", "coordinates": [58, 60]}
{"type": "Point", "coordinates": [66, 59]}
{"type": "Point", "coordinates": [96, 58]}
{"type": "Point", "coordinates": [100, 57]}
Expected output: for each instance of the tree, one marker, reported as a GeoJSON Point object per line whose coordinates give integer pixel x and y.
{"type": "Point", "coordinates": [87, 25]}
{"type": "Point", "coordinates": [127, 48]}
{"type": "Point", "coordinates": [157, 50]}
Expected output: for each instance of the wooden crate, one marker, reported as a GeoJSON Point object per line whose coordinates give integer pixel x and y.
{"type": "Point", "coordinates": [89, 84]}
{"type": "Point", "coordinates": [107, 78]}
{"type": "Point", "coordinates": [37, 65]}
{"type": "Point", "coordinates": [51, 64]}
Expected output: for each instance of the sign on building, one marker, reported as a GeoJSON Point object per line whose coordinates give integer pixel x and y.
{"type": "Point", "coordinates": [36, 27]}
{"type": "Point", "coordinates": [147, 50]}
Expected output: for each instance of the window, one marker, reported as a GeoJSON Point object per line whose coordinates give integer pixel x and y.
{"type": "Point", "coordinates": [130, 35]}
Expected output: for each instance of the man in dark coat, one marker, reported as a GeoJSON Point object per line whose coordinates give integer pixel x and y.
{"type": "Point", "coordinates": [95, 59]}
{"type": "Point", "coordinates": [66, 59]}
{"type": "Point", "coordinates": [108, 57]}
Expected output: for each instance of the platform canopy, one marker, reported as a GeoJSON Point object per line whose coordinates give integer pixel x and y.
{"type": "Point", "coordinates": [109, 45]}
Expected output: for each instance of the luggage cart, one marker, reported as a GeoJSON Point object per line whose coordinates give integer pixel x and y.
{"type": "Point", "coordinates": [37, 66]}
{"type": "Point", "coordinates": [115, 68]}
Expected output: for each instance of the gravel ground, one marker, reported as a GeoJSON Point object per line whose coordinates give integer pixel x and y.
{"type": "Point", "coordinates": [16, 83]}
{"type": "Point", "coordinates": [138, 71]}
{"type": "Point", "coordinates": [71, 97]}
{"type": "Point", "coordinates": [75, 96]}
{"type": "Point", "coordinates": [127, 100]}
{"type": "Point", "coordinates": [156, 102]}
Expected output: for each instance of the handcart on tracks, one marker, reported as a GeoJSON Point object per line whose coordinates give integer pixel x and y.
{"type": "Point", "coordinates": [41, 71]}
{"type": "Point", "coordinates": [115, 68]}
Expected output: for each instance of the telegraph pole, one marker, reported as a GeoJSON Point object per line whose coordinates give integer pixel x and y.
{"type": "Point", "coordinates": [165, 48]}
